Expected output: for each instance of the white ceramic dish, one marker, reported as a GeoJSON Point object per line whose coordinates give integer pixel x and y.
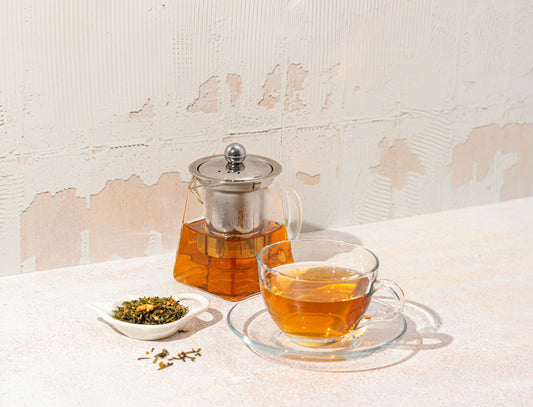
{"type": "Point", "coordinates": [195, 302]}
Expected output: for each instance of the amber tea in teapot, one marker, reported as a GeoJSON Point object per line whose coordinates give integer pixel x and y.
{"type": "Point", "coordinates": [234, 209]}
{"type": "Point", "coordinates": [226, 267]}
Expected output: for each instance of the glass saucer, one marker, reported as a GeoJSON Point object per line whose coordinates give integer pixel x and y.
{"type": "Point", "coordinates": [250, 321]}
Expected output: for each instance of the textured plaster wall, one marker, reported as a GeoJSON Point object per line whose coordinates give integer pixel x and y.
{"type": "Point", "coordinates": [376, 109]}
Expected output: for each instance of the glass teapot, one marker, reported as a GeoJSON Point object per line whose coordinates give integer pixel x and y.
{"type": "Point", "coordinates": [234, 208]}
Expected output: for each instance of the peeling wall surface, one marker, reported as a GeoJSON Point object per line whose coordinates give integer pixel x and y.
{"type": "Point", "coordinates": [376, 109]}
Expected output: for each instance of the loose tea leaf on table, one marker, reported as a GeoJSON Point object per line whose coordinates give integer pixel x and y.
{"type": "Point", "coordinates": [164, 355]}
{"type": "Point", "coordinates": [151, 311]}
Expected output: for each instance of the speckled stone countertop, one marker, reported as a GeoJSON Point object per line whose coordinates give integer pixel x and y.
{"type": "Point", "coordinates": [467, 276]}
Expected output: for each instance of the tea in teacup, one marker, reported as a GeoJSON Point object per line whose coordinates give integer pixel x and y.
{"type": "Point", "coordinates": [317, 291]}
{"type": "Point", "coordinates": [315, 302]}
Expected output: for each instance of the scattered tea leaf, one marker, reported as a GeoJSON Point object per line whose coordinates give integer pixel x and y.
{"type": "Point", "coordinates": [162, 354]}
{"type": "Point", "coordinates": [163, 365]}
{"type": "Point", "coordinates": [165, 361]}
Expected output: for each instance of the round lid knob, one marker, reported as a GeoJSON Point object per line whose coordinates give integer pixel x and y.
{"type": "Point", "coordinates": [235, 154]}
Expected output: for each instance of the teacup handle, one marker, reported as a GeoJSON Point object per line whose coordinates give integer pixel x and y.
{"type": "Point", "coordinates": [292, 208]}
{"type": "Point", "coordinates": [399, 302]}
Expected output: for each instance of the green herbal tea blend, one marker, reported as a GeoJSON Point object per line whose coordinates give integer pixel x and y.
{"type": "Point", "coordinates": [151, 311]}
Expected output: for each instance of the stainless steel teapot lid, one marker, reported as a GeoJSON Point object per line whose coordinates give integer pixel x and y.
{"type": "Point", "coordinates": [235, 168]}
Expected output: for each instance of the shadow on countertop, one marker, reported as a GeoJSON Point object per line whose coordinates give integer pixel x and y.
{"type": "Point", "coordinates": [196, 324]}
{"type": "Point", "coordinates": [422, 334]}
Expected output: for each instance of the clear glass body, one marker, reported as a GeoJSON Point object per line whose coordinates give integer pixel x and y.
{"type": "Point", "coordinates": [223, 229]}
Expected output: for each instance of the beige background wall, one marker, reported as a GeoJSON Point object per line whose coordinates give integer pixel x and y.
{"type": "Point", "coordinates": [376, 109]}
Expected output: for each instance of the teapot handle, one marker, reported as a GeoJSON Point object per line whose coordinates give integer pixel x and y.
{"type": "Point", "coordinates": [292, 208]}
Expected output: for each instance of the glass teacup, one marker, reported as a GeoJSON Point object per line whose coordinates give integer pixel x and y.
{"type": "Point", "coordinates": [317, 291]}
